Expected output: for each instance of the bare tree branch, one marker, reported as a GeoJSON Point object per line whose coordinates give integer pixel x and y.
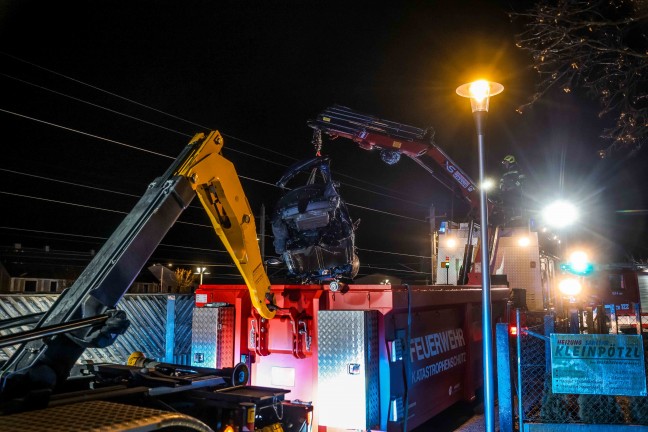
{"type": "Point", "coordinates": [600, 46]}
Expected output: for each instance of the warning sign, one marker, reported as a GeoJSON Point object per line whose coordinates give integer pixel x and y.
{"type": "Point", "coordinates": [598, 364]}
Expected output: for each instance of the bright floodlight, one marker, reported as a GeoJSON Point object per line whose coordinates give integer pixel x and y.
{"type": "Point", "coordinates": [570, 287]}
{"type": "Point", "coordinates": [524, 241]}
{"type": "Point", "coordinates": [560, 214]}
{"type": "Point", "coordinates": [451, 242]}
{"type": "Point", "coordinates": [579, 261]}
{"type": "Point", "coordinates": [479, 92]}
{"type": "Point", "coordinates": [488, 184]}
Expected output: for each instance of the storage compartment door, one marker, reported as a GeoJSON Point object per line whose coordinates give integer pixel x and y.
{"type": "Point", "coordinates": [212, 337]}
{"type": "Point", "coordinates": [348, 375]}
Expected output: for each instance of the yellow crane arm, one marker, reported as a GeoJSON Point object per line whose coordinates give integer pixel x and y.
{"type": "Point", "coordinates": [219, 189]}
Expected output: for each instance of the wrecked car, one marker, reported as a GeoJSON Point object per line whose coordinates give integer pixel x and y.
{"type": "Point", "coordinates": [313, 231]}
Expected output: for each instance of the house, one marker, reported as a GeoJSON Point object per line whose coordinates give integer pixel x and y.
{"type": "Point", "coordinates": [40, 271]}
{"type": "Point", "coordinates": [34, 278]}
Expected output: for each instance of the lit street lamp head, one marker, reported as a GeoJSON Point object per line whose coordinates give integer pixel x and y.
{"type": "Point", "coordinates": [479, 92]}
{"type": "Point", "coordinates": [201, 271]}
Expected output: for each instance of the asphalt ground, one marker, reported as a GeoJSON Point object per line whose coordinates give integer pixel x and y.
{"type": "Point", "coordinates": [461, 417]}
{"type": "Point", "coordinates": [476, 424]}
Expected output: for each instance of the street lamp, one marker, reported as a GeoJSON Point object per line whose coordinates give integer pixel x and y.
{"type": "Point", "coordinates": [560, 214]}
{"type": "Point", "coordinates": [201, 271]}
{"type": "Point", "coordinates": [479, 93]}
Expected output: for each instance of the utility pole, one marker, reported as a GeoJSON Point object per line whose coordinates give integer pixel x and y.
{"type": "Point", "coordinates": [432, 219]}
{"type": "Point", "coordinates": [262, 222]}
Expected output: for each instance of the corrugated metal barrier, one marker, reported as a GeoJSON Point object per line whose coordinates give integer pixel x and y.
{"type": "Point", "coordinates": [160, 326]}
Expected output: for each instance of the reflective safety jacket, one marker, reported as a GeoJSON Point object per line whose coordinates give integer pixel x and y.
{"type": "Point", "coordinates": [512, 179]}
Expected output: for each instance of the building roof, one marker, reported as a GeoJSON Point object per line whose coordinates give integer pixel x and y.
{"type": "Point", "coordinates": [46, 264]}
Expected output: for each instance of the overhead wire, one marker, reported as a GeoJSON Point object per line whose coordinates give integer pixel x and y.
{"type": "Point", "coordinates": [396, 270]}
{"type": "Point", "coordinates": [137, 196]}
{"type": "Point", "coordinates": [163, 155]}
{"type": "Point", "coordinates": [68, 182]}
{"type": "Point", "coordinates": [179, 133]}
{"type": "Point", "coordinates": [92, 188]}
{"type": "Point", "coordinates": [99, 89]}
{"type": "Point", "coordinates": [393, 253]}
{"type": "Point", "coordinates": [96, 105]}
{"type": "Point", "coordinates": [85, 133]}
{"type": "Point", "coordinates": [67, 234]}
{"type": "Point", "coordinates": [170, 157]}
{"type": "Point", "coordinates": [180, 119]}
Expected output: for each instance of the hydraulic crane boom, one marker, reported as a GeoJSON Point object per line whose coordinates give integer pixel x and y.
{"type": "Point", "coordinates": [200, 169]}
{"type": "Point", "coordinates": [220, 192]}
{"type": "Point", "coordinates": [393, 139]}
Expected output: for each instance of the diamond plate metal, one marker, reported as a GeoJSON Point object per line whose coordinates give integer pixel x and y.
{"type": "Point", "coordinates": [522, 267]}
{"type": "Point", "coordinates": [147, 332]}
{"type": "Point", "coordinates": [213, 337]}
{"type": "Point", "coordinates": [98, 416]}
{"type": "Point", "coordinates": [643, 290]}
{"type": "Point", "coordinates": [182, 348]}
{"type": "Point", "coordinates": [348, 369]}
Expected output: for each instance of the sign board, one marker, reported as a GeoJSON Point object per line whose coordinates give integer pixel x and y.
{"type": "Point", "coordinates": [598, 364]}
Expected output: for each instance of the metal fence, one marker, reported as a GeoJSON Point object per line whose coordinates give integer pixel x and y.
{"type": "Point", "coordinates": [535, 402]}
{"type": "Point", "coordinates": [160, 326]}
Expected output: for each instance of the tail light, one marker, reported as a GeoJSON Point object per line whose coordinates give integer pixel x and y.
{"type": "Point", "coordinates": [513, 321]}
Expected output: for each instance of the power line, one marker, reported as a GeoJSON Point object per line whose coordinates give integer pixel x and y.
{"type": "Point", "coordinates": [171, 157]}
{"type": "Point", "coordinates": [387, 213]}
{"type": "Point", "coordinates": [62, 202]}
{"type": "Point", "coordinates": [68, 183]}
{"type": "Point", "coordinates": [394, 270]}
{"type": "Point", "coordinates": [99, 89]}
{"type": "Point", "coordinates": [90, 207]}
{"type": "Point", "coordinates": [178, 246]}
{"type": "Point", "coordinates": [94, 187]}
{"type": "Point", "coordinates": [394, 253]}
{"type": "Point", "coordinates": [106, 238]}
{"type": "Point", "coordinates": [122, 212]}
{"type": "Point", "coordinates": [86, 133]}
{"type": "Point", "coordinates": [181, 119]}
{"type": "Point", "coordinates": [96, 105]}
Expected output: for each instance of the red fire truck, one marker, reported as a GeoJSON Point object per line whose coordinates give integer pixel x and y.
{"type": "Point", "coordinates": [347, 351]}
{"type": "Point", "coordinates": [378, 357]}
{"type": "Point", "coordinates": [623, 289]}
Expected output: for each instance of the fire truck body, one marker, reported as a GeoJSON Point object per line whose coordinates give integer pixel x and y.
{"type": "Point", "coordinates": [516, 255]}
{"type": "Point", "coordinates": [621, 286]}
{"type": "Point", "coordinates": [346, 352]}
{"type": "Point", "coordinates": [623, 290]}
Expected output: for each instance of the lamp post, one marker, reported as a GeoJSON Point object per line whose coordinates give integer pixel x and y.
{"type": "Point", "coordinates": [201, 271]}
{"type": "Point", "coordinates": [479, 93]}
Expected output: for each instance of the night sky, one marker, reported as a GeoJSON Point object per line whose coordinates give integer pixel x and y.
{"type": "Point", "coordinates": [99, 97]}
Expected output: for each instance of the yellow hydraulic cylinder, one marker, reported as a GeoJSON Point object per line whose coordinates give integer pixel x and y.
{"type": "Point", "coordinates": [219, 189]}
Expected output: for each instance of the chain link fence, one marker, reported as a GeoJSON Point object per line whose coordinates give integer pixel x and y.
{"type": "Point", "coordinates": [536, 402]}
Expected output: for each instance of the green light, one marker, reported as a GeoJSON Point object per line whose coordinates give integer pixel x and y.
{"type": "Point", "coordinates": [577, 268]}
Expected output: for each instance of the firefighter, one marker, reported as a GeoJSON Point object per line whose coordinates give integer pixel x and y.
{"type": "Point", "coordinates": [510, 188]}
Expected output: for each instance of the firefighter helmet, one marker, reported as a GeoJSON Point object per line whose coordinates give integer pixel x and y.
{"type": "Point", "coordinates": [509, 159]}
